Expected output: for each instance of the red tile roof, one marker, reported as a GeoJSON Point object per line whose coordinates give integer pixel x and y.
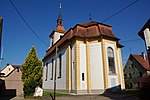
{"type": "Point", "coordinates": [144, 63]}
{"type": "Point", "coordinates": [88, 29]}
{"type": "Point", "coordinates": [60, 29]}
{"type": "Point", "coordinates": [16, 66]}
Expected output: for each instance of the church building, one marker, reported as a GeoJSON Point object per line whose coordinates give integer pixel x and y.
{"type": "Point", "coordinates": [86, 58]}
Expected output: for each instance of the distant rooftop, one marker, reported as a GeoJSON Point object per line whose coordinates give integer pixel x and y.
{"type": "Point", "coordinates": [144, 63]}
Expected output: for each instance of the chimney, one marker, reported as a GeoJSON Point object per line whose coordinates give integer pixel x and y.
{"type": "Point", "coordinates": [143, 55]}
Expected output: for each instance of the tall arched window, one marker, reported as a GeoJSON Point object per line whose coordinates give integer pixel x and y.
{"type": "Point", "coordinates": [52, 69]}
{"type": "Point", "coordinates": [60, 66]}
{"type": "Point", "coordinates": [46, 71]}
{"type": "Point", "coordinates": [111, 60]}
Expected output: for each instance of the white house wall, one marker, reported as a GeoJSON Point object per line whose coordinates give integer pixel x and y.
{"type": "Point", "coordinates": [7, 70]}
{"type": "Point", "coordinates": [51, 82]}
{"type": "Point", "coordinates": [61, 82]}
{"type": "Point", "coordinates": [113, 81]}
{"type": "Point", "coordinates": [120, 69]}
{"type": "Point", "coordinates": [147, 37]}
{"type": "Point", "coordinates": [96, 66]}
{"type": "Point", "coordinates": [57, 36]}
{"type": "Point", "coordinates": [73, 67]}
{"type": "Point", "coordinates": [83, 84]}
{"type": "Point", "coordinates": [112, 78]}
{"type": "Point", "coordinates": [48, 83]}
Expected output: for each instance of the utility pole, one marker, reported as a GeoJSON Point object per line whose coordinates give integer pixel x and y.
{"type": "Point", "coordinates": [55, 74]}
{"type": "Point", "coordinates": [1, 24]}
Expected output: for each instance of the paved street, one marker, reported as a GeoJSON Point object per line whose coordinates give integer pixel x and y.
{"type": "Point", "coordinates": [81, 97]}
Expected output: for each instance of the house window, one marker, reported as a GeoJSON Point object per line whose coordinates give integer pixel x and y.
{"type": "Point", "coordinates": [46, 71]}
{"type": "Point", "coordinates": [138, 84]}
{"type": "Point", "coordinates": [132, 65]}
{"type": "Point", "coordinates": [130, 86]}
{"type": "Point", "coordinates": [125, 76]}
{"type": "Point", "coordinates": [111, 62]}
{"type": "Point", "coordinates": [131, 58]}
{"type": "Point", "coordinates": [82, 76]}
{"type": "Point", "coordinates": [60, 66]}
{"type": "Point", "coordinates": [61, 36]}
{"type": "Point", "coordinates": [52, 69]}
{"type": "Point", "coordinates": [140, 74]}
{"type": "Point", "coordinates": [130, 76]}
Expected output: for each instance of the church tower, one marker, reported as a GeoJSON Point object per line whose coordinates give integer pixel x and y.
{"type": "Point", "coordinates": [59, 31]}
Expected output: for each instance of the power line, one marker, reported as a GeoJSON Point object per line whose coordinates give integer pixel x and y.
{"type": "Point", "coordinates": [27, 23]}
{"type": "Point", "coordinates": [47, 44]}
{"type": "Point", "coordinates": [120, 10]}
{"type": "Point", "coordinates": [129, 40]}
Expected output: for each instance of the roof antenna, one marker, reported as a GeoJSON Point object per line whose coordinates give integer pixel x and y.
{"type": "Point", "coordinates": [90, 17]}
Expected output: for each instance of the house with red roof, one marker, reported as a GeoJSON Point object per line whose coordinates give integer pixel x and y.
{"type": "Point", "coordinates": [85, 59]}
{"type": "Point", "coordinates": [136, 67]}
{"type": "Point", "coordinates": [10, 81]}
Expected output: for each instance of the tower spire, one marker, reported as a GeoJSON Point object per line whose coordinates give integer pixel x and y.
{"type": "Point", "coordinates": [60, 20]}
{"type": "Point", "coordinates": [60, 27]}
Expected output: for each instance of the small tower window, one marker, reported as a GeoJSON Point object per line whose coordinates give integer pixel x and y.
{"type": "Point", "coordinates": [52, 40]}
{"type": "Point", "coordinates": [61, 36]}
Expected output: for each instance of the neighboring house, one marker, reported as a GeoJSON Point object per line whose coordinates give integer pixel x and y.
{"type": "Point", "coordinates": [11, 79]}
{"type": "Point", "coordinates": [144, 33]}
{"type": "Point", "coordinates": [88, 59]}
{"type": "Point", "coordinates": [1, 73]}
{"type": "Point", "coordinates": [136, 67]}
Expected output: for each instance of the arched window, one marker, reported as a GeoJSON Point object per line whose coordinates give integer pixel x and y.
{"type": "Point", "coordinates": [60, 66]}
{"type": "Point", "coordinates": [52, 69]}
{"type": "Point", "coordinates": [46, 72]}
{"type": "Point", "coordinates": [111, 61]}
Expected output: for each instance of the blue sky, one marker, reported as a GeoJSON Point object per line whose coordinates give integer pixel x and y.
{"type": "Point", "coordinates": [41, 15]}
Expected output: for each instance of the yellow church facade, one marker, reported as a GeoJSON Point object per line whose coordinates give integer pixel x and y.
{"type": "Point", "coordinates": [87, 59]}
